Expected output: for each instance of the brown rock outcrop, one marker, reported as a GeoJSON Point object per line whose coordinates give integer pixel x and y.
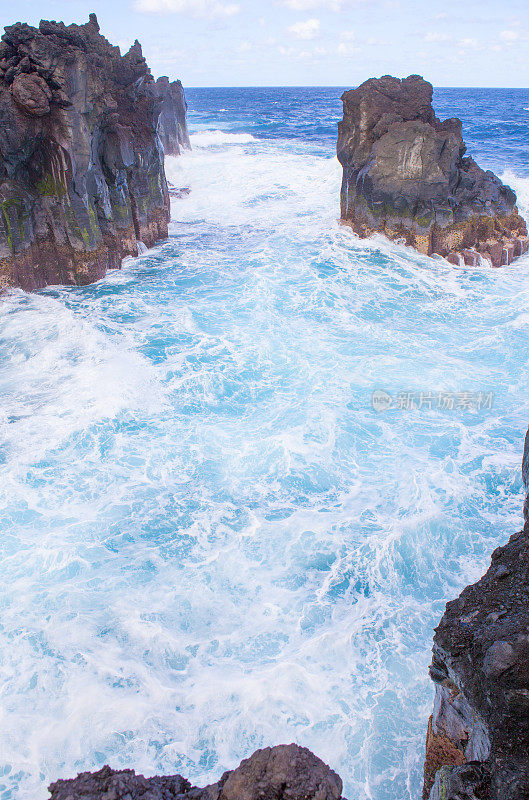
{"type": "Point", "coordinates": [285, 772]}
{"type": "Point", "coordinates": [405, 175]}
{"type": "Point", "coordinates": [82, 178]}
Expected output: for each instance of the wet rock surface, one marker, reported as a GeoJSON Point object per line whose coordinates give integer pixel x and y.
{"type": "Point", "coordinates": [405, 175]}
{"type": "Point", "coordinates": [172, 124]}
{"type": "Point", "coordinates": [285, 772]}
{"type": "Point", "coordinates": [82, 177]}
{"type": "Point", "coordinates": [478, 736]}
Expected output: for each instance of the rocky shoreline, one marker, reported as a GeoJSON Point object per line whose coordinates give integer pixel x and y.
{"type": "Point", "coordinates": [478, 735]}
{"type": "Point", "coordinates": [405, 175]}
{"type": "Point", "coordinates": [285, 772]}
{"type": "Point", "coordinates": [82, 185]}
{"type": "Point", "coordinates": [82, 179]}
{"type": "Point", "coordinates": [477, 741]}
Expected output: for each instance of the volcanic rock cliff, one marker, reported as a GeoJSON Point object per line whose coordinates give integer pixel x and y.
{"type": "Point", "coordinates": [285, 772]}
{"type": "Point", "coordinates": [81, 167]}
{"type": "Point", "coordinates": [478, 736]}
{"type": "Point", "coordinates": [405, 174]}
{"type": "Point", "coordinates": [172, 124]}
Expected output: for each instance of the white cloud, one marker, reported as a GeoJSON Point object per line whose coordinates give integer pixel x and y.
{"type": "Point", "coordinates": [294, 54]}
{"type": "Point", "coordinates": [306, 30]}
{"type": "Point", "coordinates": [348, 36]}
{"type": "Point", "coordinates": [436, 37]}
{"type": "Point", "coordinates": [306, 5]}
{"type": "Point", "coordinates": [195, 8]}
{"type": "Point", "coordinates": [509, 36]}
{"type": "Point", "coordinates": [468, 44]}
{"type": "Point", "coordinates": [345, 49]}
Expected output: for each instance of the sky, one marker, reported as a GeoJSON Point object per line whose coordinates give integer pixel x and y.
{"type": "Point", "coordinates": [310, 42]}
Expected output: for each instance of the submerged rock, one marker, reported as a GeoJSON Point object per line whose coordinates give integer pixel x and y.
{"type": "Point", "coordinates": [172, 124]}
{"type": "Point", "coordinates": [405, 174]}
{"type": "Point", "coordinates": [478, 736]}
{"type": "Point", "coordinates": [82, 177]}
{"type": "Point", "coordinates": [285, 772]}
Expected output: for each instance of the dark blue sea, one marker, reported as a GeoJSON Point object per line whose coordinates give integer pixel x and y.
{"type": "Point", "coordinates": [212, 539]}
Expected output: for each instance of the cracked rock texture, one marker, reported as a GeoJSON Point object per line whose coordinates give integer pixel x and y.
{"type": "Point", "coordinates": [82, 176]}
{"type": "Point", "coordinates": [285, 772]}
{"type": "Point", "coordinates": [172, 124]}
{"type": "Point", "coordinates": [478, 736]}
{"type": "Point", "coordinates": [405, 175]}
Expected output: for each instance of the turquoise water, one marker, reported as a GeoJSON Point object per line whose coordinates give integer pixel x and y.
{"type": "Point", "coordinates": [211, 541]}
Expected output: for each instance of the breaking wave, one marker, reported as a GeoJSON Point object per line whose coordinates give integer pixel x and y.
{"type": "Point", "coordinates": [211, 540]}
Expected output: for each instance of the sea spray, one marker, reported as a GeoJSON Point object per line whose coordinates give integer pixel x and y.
{"type": "Point", "coordinates": [211, 540]}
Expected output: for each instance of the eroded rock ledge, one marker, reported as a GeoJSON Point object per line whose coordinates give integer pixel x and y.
{"type": "Point", "coordinates": [285, 772]}
{"type": "Point", "coordinates": [172, 124]}
{"type": "Point", "coordinates": [81, 167]}
{"type": "Point", "coordinates": [478, 736]}
{"type": "Point", "coordinates": [405, 175]}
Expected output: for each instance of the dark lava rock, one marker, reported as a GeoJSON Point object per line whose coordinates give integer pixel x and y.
{"type": "Point", "coordinates": [405, 174]}
{"type": "Point", "coordinates": [82, 176]}
{"type": "Point", "coordinates": [32, 94]}
{"type": "Point", "coordinates": [172, 125]}
{"type": "Point", "coordinates": [285, 772]}
{"type": "Point", "coordinates": [478, 736]}
{"type": "Point", "coordinates": [119, 785]}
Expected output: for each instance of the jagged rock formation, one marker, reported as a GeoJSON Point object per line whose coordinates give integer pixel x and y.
{"type": "Point", "coordinates": [82, 178]}
{"type": "Point", "coordinates": [478, 736]}
{"type": "Point", "coordinates": [172, 124]}
{"type": "Point", "coordinates": [285, 772]}
{"type": "Point", "coordinates": [405, 175]}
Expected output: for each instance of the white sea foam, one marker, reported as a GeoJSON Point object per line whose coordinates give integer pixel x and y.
{"type": "Point", "coordinates": [219, 138]}
{"type": "Point", "coordinates": [210, 541]}
{"type": "Point", "coordinates": [521, 187]}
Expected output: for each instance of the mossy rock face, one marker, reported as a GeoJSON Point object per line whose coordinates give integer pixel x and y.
{"type": "Point", "coordinates": [79, 170]}
{"type": "Point", "coordinates": [14, 216]}
{"type": "Point", "coordinates": [6, 216]}
{"type": "Point", "coordinates": [51, 186]}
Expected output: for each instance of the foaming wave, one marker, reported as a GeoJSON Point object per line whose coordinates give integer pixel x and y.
{"type": "Point", "coordinates": [521, 187]}
{"type": "Point", "coordinates": [211, 542]}
{"type": "Point", "coordinates": [270, 186]}
{"type": "Point", "coordinates": [204, 139]}
{"type": "Point", "coordinates": [52, 346]}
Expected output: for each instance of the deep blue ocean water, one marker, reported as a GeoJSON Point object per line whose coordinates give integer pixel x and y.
{"type": "Point", "coordinates": [211, 541]}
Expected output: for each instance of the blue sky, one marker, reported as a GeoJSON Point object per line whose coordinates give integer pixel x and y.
{"type": "Point", "coordinates": [310, 42]}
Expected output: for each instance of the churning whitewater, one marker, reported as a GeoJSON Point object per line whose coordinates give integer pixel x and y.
{"type": "Point", "coordinates": [211, 539]}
